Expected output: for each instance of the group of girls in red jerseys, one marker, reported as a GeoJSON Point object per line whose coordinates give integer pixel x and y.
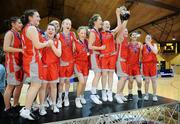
{"type": "Point", "coordinates": [51, 58]}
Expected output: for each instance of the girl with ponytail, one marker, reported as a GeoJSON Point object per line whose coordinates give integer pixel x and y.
{"type": "Point", "coordinates": [95, 46]}
{"type": "Point", "coordinates": [32, 64]}
{"type": "Point", "coordinates": [13, 52]}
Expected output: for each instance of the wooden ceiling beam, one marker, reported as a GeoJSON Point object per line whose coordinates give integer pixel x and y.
{"type": "Point", "coordinates": [157, 20]}
{"type": "Point", "coordinates": [149, 33]}
{"type": "Point", "coordinates": [158, 4]}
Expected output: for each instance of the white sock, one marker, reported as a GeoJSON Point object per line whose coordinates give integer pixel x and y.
{"type": "Point", "coordinates": [121, 94]}
{"type": "Point", "coordinates": [66, 94]}
{"type": "Point", "coordinates": [93, 90]}
{"type": "Point", "coordinates": [130, 91]}
{"type": "Point", "coordinates": [78, 98]}
{"type": "Point", "coordinates": [53, 103]}
{"type": "Point", "coordinates": [109, 91]}
{"type": "Point", "coordinates": [81, 96]}
{"type": "Point", "coordinates": [60, 95]}
{"type": "Point", "coordinates": [41, 106]}
{"type": "Point", "coordinates": [104, 91]}
{"type": "Point", "coordinates": [29, 109]}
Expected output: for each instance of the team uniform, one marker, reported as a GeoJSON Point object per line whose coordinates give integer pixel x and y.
{"type": "Point", "coordinates": [81, 58]}
{"type": "Point", "coordinates": [149, 61]}
{"type": "Point", "coordinates": [121, 63]}
{"type": "Point", "coordinates": [14, 61]}
{"type": "Point", "coordinates": [108, 56]}
{"type": "Point", "coordinates": [50, 63]}
{"type": "Point", "coordinates": [66, 68]}
{"type": "Point", "coordinates": [95, 54]}
{"type": "Point", "coordinates": [133, 59]}
{"type": "Point", "coordinates": [32, 64]}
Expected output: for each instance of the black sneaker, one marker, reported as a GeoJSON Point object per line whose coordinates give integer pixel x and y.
{"type": "Point", "coordinates": [130, 97]}
{"type": "Point", "coordinates": [10, 113]}
{"type": "Point", "coordinates": [140, 94]}
{"type": "Point", "coordinates": [16, 109]}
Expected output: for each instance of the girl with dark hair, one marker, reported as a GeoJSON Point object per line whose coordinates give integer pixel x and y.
{"type": "Point", "coordinates": [13, 50]}
{"type": "Point", "coordinates": [48, 100]}
{"type": "Point", "coordinates": [133, 60]}
{"type": "Point", "coordinates": [121, 63]}
{"type": "Point", "coordinates": [95, 45]}
{"type": "Point", "coordinates": [50, 59]}
{"type": "Point", "coordinates": [32, 63]}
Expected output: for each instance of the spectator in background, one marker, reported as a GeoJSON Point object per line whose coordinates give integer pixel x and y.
{"type": "Point", "coordinates": [2, 72]}
{"type": "Point", "coordinates": [2, 80]}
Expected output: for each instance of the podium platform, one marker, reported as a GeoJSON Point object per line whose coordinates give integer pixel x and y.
{"type": "Point", "coordinates": [132, 112]}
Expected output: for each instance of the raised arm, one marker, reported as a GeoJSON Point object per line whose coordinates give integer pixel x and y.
{"type": "Point", "coordinates": [118, 27]}
{"type": "Point", "coordinates": [120, 37]}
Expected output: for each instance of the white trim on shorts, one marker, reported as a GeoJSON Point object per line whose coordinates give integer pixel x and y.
{"type": "Point", "coordinates": [66, 78]}
{"type": "Point", "coordinates": [119, 72]}
{"type": "Point", "coordinates": [135, 76]}
{"type": "Point", "coordinates": [152, 77]}
{"type": "Point", "coordinates": [53, 81]}
{"type": "Point", "coordinates": [94, 65]}
{"type": "Point", "coordinates": [34, 73]}
{"type": "Point", "coordinates": [76, 70]}
{"type": "Point", "coordinates": [108, 70]}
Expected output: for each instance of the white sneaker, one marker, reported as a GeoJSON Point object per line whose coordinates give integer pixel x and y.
{"type": "Point", "coordinates": [155, 99]}
{"type": "Point", "coordinates": [55, 109]}
{"type": "Point", "coordinates": [42, 111]}
{"type": "Point", "coordinates": [118, 99]}
{"type": "Point", "coordinates": [146, 97]}
{"type": "Point", "coordinates": [104, 96]}
{"type": "Point", "coordinates": [95, 99]}
{"type": "Point", "coordinates": [59, 103]}
{"type": "Point", "coordinates": [78, 102]}
{"type": "Point", "coordinates": [25, 113]}
{"type": "Point", "coordinates": [123, 98]}
{"type": "Point", "coordinates": [66, 101]}
{"type": "Point", "coordinates": [83, 100]}
{"type": "Point", "coordinates": [109, 96]}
